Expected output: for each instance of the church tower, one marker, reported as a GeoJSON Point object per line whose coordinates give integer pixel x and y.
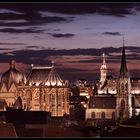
{"type": "Point", "coordinates": [103, 71]}
{"type": "Point", "coordinates": [123, 100]}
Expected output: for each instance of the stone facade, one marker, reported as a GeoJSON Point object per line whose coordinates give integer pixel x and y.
{"type": "Point", "coordinates": [43, 90]}
{"type": "Point", "coordinates": [124, 92]}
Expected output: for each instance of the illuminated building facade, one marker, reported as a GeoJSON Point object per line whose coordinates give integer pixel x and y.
{"type": "Point", "coordinates": [41, 90]}
{"type": "Point", "coordinates": [116, 97]}
{"type": "Point", "coordinates": [103, 72]}
{"type": "Point", "coordinates": [123, 96]}
{"type": "Point", "coordinates": [84, 88]}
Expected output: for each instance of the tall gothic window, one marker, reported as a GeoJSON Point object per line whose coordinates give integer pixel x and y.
{"type": "Point", "coordinates": [60, 99]}
{"type": "Point", "coordinates": [122, 87]}
{"type": "Point", "coordinates": [122, 107]}
{"type": "Point", "coordinates": [126, 86]}
{"type": "Point", "coordinates": [29, 94]}
{"type": "Point", "coordinates": [93, 115]}
{"type": "Point", "coordinates": [28, 98]}
{"type": "Point", "coordinates": [122, 104]}
{"type": "Point", "coordinates": [103, 115]}
{"type": "Point", "coordinates": [53, 99]}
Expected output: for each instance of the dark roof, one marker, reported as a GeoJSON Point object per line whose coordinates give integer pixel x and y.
{"type": "Point", "coordinates": [38, 74]}
{"type": "Point", "coordinates": [44, 75]}
{"type": "Point", "coordinates": [12, 76]}
{"type": "Point", "coordinates": [77, 98]}
{"type": "Point", "coordinates": [135, 78]}
{"type": "Point", "coordinates": [107, 102]}
{"type": "Point", "coordinates": [136, 101]}
{"type": "Point", "coordinates": [25, 117]}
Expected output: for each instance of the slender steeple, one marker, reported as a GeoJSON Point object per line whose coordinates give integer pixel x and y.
{"type": "Point", "coordinates": [104, 59]}
{"type": "Point", "coordinates": [124, 96]}
{"type": "Point", "coordinates": [103, 71]}
{"type": "Point", "coordinates": [12, 64]}
{"type": "Point", "coordinates": [123, 69]}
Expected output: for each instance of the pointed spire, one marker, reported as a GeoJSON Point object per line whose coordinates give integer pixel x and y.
{"type": "Point", "coordinates": [12, 64]}
{"type": "Point", "coordinates": [52, 63]}
{"type": "Point", "coordinates": [104, 63]}
{"type": "Point", "coordinates": [123, 69]}
{"type": "Point", "coordinates": [123, 41]}
{"type": "Point", "coordinates": [103, 71]}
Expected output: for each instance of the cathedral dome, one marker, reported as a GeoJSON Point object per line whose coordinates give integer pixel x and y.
{"type": "Point", "coordinates": [54, 79]}
{"type": "Point", "coordinates": [12, 76]}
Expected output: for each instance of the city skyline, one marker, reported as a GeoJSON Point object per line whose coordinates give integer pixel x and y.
{"type": "Point", "coordinates": [68, 26]}
{"type": "Point", "coordinates": [29, 30]}
{"type": "Point", "coordinates": [70, 69]}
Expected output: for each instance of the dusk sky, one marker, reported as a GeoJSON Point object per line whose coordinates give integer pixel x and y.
{"type": "Point", "coordinates": [67, 26]}
{"type": "Point", "coordinates": [27, 27]}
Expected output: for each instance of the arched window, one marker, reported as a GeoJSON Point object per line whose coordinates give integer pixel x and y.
{"type": "Point", "coordinates": [103, 115]}
{"type": "Point", "coordinates": [122, 104]}
{"type": "Point", "coordinates": [122, 107]}
{"type": "Point", "coordinates": [28, 99]}
{"type": "Point", "coordinates": [122, 86]}
{"type": "Point", "coordinates": [29, 94]}
{"type": "Point", "coordinates": [60, 99]}
{"type": "Point", "coordinates": [93, 115]}
{"type": "Point", "coordinates": [53, 99]}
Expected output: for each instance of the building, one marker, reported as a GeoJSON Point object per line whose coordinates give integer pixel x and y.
{"type": "Point", "coordinates": [85, 89]}
{"type": "Point", "coordinates": [114, 98]}
{"type": "Point", "coordinates": [103, 72]}
{"type": "Point", "coordinates": [80, 94]}
{"type": "Point", "coordinates": [41, 90]}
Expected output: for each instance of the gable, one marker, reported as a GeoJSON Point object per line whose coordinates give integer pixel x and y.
{"type": "Point", "coordinates": [3, 88]}
{"type": "Point", "coordinates": [12, 88]}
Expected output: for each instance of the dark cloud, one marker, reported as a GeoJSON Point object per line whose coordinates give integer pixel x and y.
{"type": "Point", "coordinates": [30, 18]}
{"type": "Point", "coordinates": [32, 47]}
{"type": "Point", "coordinates": [5, 49]}
{"type": "Point", "coordinates": [29, 56]}
{"type": "Point", "coordinates": [59, 35]}
{"type": "Point", "coordinates": [11, 44]}
{"type": "Point", "coordinates": [35, 47]}
{"type": "Point", "coordinates": [57, 29]}
{"type": "Point", "coordinates": [13, 30]}
{"type": "Point", "coordinates": [113, 9]}
{"type": "Point", "coordinates": [112, 33]}
{"type": "Point", "coordinates": [42, 57]}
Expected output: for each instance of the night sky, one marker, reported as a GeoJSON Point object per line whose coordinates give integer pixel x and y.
{"type": "Point", "coordinates": [40, 32]}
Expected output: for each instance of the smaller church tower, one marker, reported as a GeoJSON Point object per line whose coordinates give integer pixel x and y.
{"type": "Point", "coordinates": [123, 100]}
{"type": "Point", "coordinates": [103, 71]}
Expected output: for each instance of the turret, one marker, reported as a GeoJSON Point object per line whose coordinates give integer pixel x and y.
{"type": "Point", "coordinates": [103, 71]}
